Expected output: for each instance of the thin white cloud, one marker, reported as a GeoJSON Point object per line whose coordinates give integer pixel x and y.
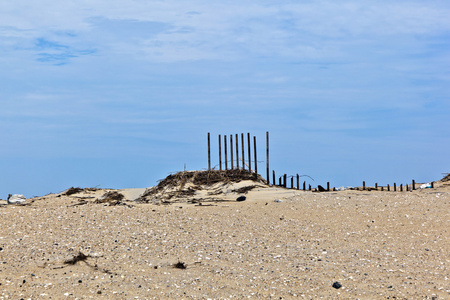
{"type": "Point", "coordinates": [203, 30]}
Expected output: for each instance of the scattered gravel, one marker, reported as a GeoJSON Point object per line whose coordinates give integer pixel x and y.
{"type": "Point", "coordinates": [372, 245]}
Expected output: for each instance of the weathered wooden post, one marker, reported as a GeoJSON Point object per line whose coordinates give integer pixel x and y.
{"type": "Point", "coordinates": [279, 182]}
{"type": "Point", "coordinates": [304, 185]}
{"type": "Point", "coordinates": [243, 151]}
{"type": "Point", "coordinates": [407, 188]}
{"type": "Point", "coordinates": [432, 184]}
{"type": "Point", "coordinates": [309, 187]}
{"type": "Point", "coordinates": [298, 182]}
{"type": "Point", "coordinates": [364, 185]}
{"type": "Point", "coordinates": [328, 186]}
{"type": "Point", "coordinates": [273, 181]}
{"type": "Point", "coordinates": [376, 185]}
{"type": "Point", "coordinates": [225, 148]}
{"type": "Point", "coordinates": [395, 187]}
{"type": "Point", "coordinates": [220, 153]}
{"type": "Point", "coordinates": [237, 151]}
{"type": "Point", "coordinates": [284, 180]}
{"type": "Point", "coordinates": [388, 188]}
{"type": "Point", "coordinates": [231, 151]}
{"type": "Point", "coordinates": [401, 187]}
{"type": "Point", "coordinates": [292, 182]}
{"type": "Point", "coordinates": [249, 152]}
{"type": "Point", "coordinates": [382, 188]}
{"type": "Point", "coordinates": [209, 152]}
{"type": "Point", "coordinates": [413, 185]}
{"type": "Point", "coordinates": [254, 151]}
{"type": "Point", "coordinates": [267, 156]}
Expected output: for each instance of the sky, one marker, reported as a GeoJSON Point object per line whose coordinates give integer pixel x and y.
{"type": "Point", "coordinates": [122, 93]}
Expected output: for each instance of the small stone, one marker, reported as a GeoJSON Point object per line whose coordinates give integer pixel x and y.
{"type": "Point", "coordinates": [337, 285]}
{"type": "Point", "coordinates": [241, 198]}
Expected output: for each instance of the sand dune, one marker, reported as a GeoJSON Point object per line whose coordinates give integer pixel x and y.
{"type": "Point", "coordinates": [279, 243]}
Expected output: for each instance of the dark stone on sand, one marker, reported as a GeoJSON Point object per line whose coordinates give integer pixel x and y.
{"type": "Point", "coordinates": [337, 285]}
{"type": "Point", "coordinates": [241, 198]}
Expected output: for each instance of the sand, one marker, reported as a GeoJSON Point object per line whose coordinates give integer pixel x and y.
{"type": "Point", "coordinates": [279, 243]}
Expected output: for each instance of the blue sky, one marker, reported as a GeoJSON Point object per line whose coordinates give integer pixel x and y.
{"type": "Point", "coordinates": [121, 93]}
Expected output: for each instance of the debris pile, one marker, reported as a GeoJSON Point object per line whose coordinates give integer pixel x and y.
{"type": "Point", "coordinates": [111, 198]}
{"type": "Point", "coordinates": [446, 178]}
{"type": "Point", "coordinates": [182, 185]}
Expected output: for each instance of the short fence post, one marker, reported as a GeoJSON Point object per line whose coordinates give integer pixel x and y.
{"type": "Point", "coordinates": [328, 186]}
{"type": "Point", "coordinates": [304, 185]}
{"type": "Point", "coordinates": [432, 184]}
{"type": "Point", "coordinates": [401, 187]}
{"type": "Point", "coordinates": [364, 185]}
{"type": "Point", "coordinates": [284, 180]}
{"type": "Point", "coordinates": [298, 182]}
{"type": "Point", "coordinates": [407, 188]}
{"type": "Point", "coordinates": [309, 187]}
{"type": "Point", "coordinates": [413, 185]}
{"type": "Point", "coordinates": [382, 188]}
{"type": "Point", "coordinates": [273, 177]}
{"type": "Point", "coordinates": [279, 181]}
{"type": "Point", "coordinates": [376, 185]}
{"type": "Point", "coordinates": [395, 187]}
{"type": "Point", "coordinates": [292, 182]}
{"type": "Point", "coordinates": [388, 188]}
{"type": "Point", "coordinates": [220, 153]}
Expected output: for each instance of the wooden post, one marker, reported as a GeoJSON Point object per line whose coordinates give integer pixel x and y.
{"type": "Point", "coordinates": [249, 152]}
{"type": "Point", "coordinates": [209, 152]}
{"type": "Point", "coordinates": [395, 187]}
{"type": "Point", "coordinates": [376, 185]}
{"type": "Point", "coordinates": [382, 189]}
{"type": "Point", "coordinates": [273, 182]}
{"type": "Point", "coordinates": [254, 151]}
{"type": "Point", "coordinates": [220, 153]}
{"type": "Point", "coordinates": [231, 151]}
{"type": "Point", "coordinates": [298, 182]}
{"type": "Point", "coordinates": [432, 184]}
{"type": "Point", "coordinates": [284, 180]}
{"type": "Point", "coordinates": [225, 147]}
{"type": "Point", "coordinates": [309, 187]}
{"type": "Point", "coordinates": [243, 151]}
{"type": "Point", "coordinates": [292, 182]}
{"type": "Point", "coordinates": [401, 187]}
{"type": "Point", "coordinates": [388, 188]}
{"type": "Point", "coordinates": [267, 156]}
{"type": "Point", "coordinates": [304, 185]}
{"type": "Point", "coordinates": [328, 186]}
{"type": "Point", "coordinates": [237, 151]}
{"type": "Point", "coordinates": [413, 185]}
{"type": "Point", "coordinates": [364, 185]}
{"type": "Point", "coordinates": [279, 182]}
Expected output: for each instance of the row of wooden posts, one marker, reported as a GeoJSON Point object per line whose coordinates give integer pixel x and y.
{"type": "Point", "coordinates": [282, 181]}
{"type": "Point", "coordinates": [238, 155]}
{"type": "Point", "coordinates": [241, 161]}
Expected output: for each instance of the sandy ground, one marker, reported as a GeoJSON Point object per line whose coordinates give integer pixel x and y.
{"type": "Point", "coordinates": [278, 244]}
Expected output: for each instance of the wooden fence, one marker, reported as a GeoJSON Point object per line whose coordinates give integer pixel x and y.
{"type": "Point", "coordinates": [238, 161]}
